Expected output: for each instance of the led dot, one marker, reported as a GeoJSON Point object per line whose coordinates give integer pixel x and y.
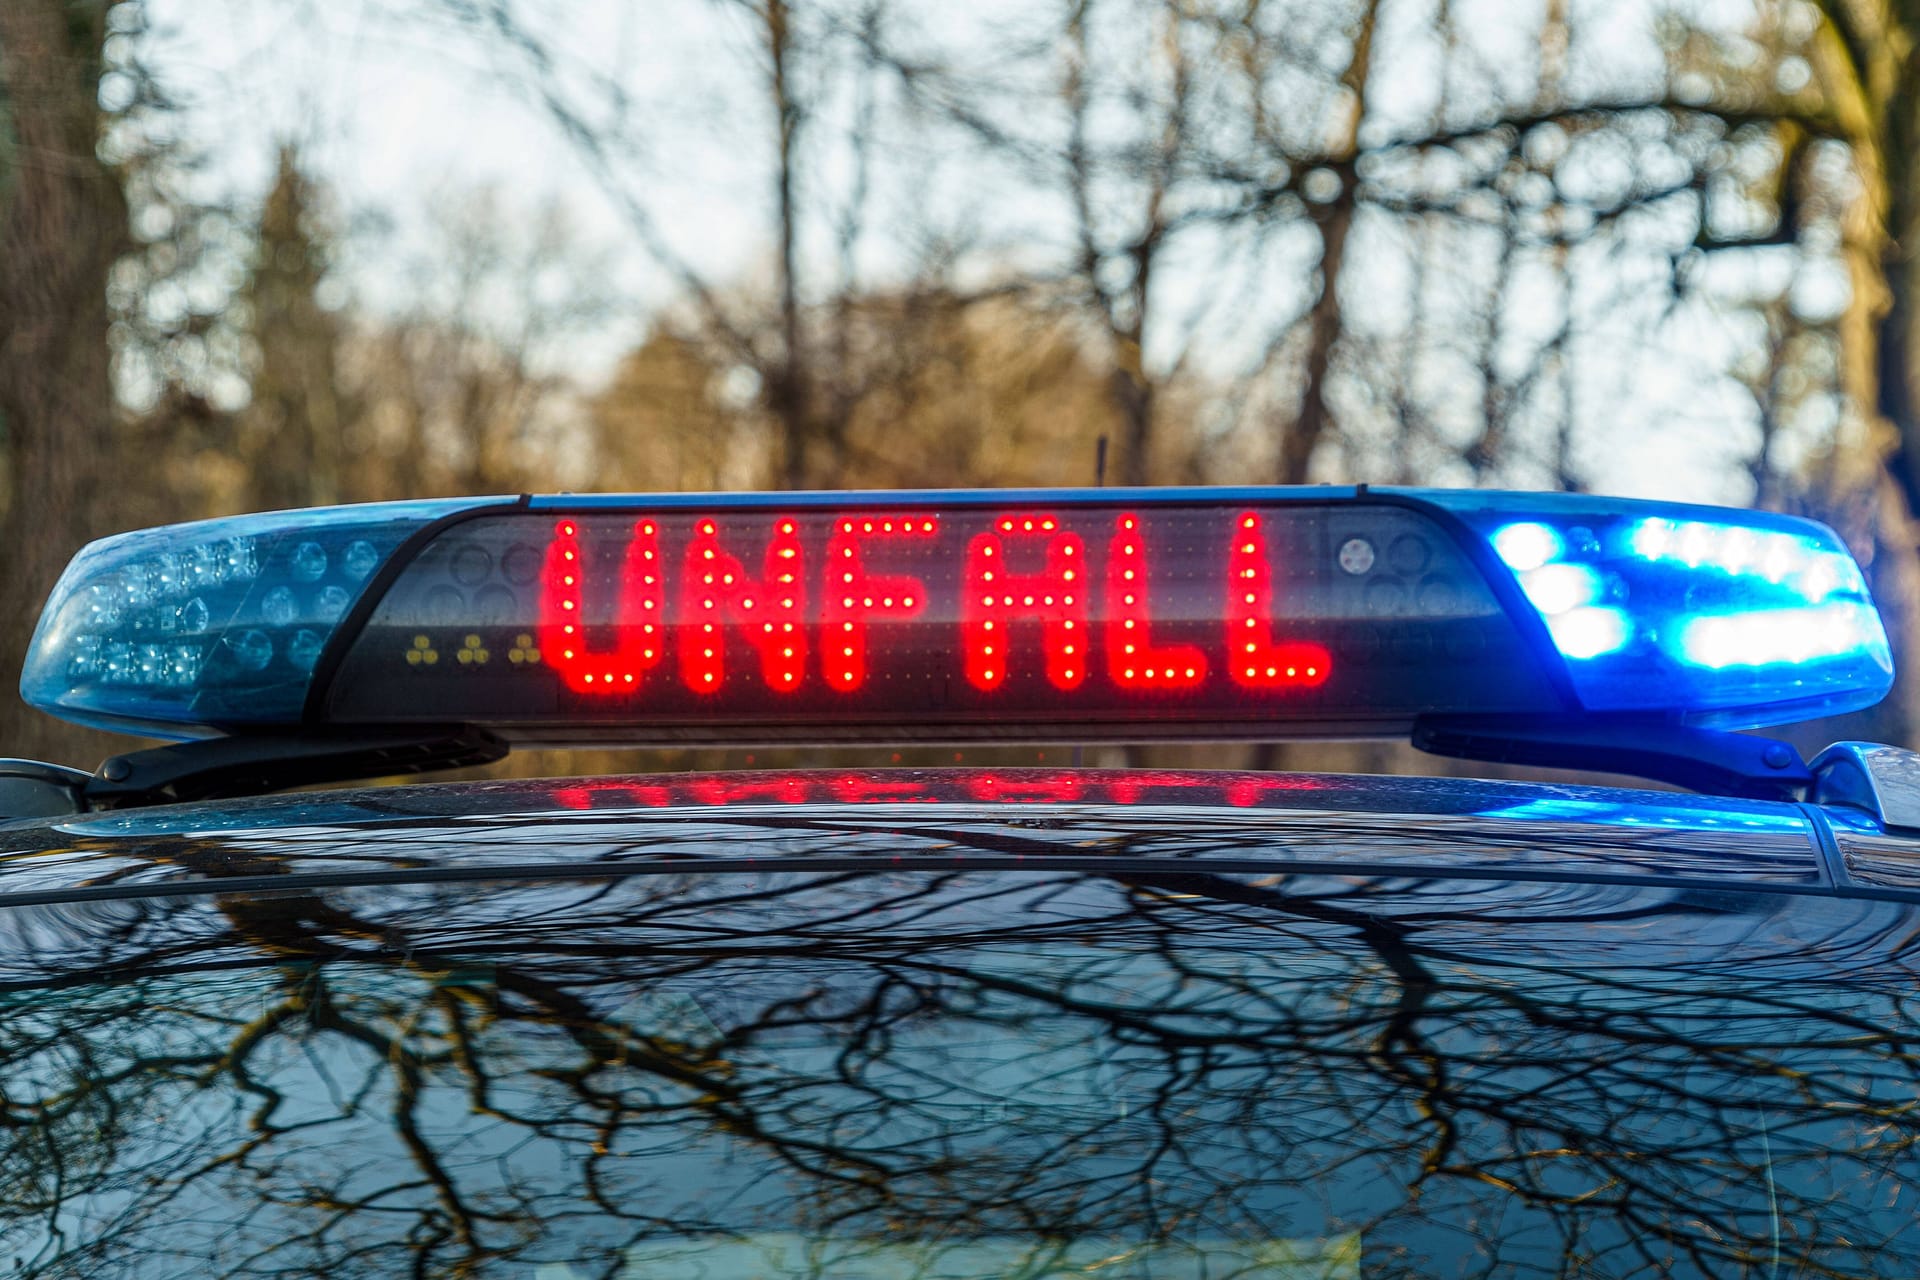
{"type": "Point", "coordinates": [1066, 600]}
{"type": "Point", "coordinates": [566, 604]}
{"type": "Point", "coordinates": [1029, 526]}
{"type": "Point", "coordinates": [1069, 675]}
{"type": "Point", "coordinates": [1312, 671]}
{"type": "Point", "coordinates": [709, 677]}
{"type": "Point", "coordinates": [1248, 548]}
{"type": "Point", "coordinates": [1191, 673]}
{"type": "Point", "coordinates": [1128, 624]}
{"type": "Point", "coordinates": [1129, 673]}
{"type": "Point", "coordinates": [1129, 649]}
{"type": "Point", "coordinates": [566, 529]}
{"type": "Point", "coordinates": [986, 675]}
{"type": "Point", "coordinates": [1249, 597]}
{"type": "Point", "coordinates": [1272, 671]}
{"type": "Point", "coordinates": [787, 528]}
{"type": "Point", "coordinates": [1029, 600]}
{"type": "Point", "coordinates": [1291, 671]}
{"type": "Point", "coordinates": [906, 602]}
{"type": "Point", "coordinates": [706, 527]}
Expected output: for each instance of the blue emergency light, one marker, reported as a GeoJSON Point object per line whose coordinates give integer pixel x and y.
{"type": "Point", "coordinates": [1084, 614]}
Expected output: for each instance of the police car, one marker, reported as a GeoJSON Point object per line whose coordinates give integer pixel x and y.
{"type": "Point", "coordinates": [966, 1022]}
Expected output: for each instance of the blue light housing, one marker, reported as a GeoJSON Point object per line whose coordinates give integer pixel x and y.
{"type": "Point", "coordinates": [1726, 618]}
{"type": "Point", "coordinates": [214, 624]}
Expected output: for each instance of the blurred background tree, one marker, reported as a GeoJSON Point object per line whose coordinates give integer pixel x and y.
{"type": "Point", "coordinates": [1662, 249]}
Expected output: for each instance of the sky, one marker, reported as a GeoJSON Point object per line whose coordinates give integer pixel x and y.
{"type": "Point", "coordinates": [394, 108]}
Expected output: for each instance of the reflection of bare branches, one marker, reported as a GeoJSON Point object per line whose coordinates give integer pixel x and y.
{"type": "Point", "coordinates": [482, 1076]}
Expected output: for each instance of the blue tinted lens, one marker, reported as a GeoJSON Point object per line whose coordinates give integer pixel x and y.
{"type": "Point", "coordinates": [1721, 617]}
{"type": "Point", "coordinates": [209, 624]}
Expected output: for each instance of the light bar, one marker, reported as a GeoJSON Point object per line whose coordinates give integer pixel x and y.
{"type": "Point", "coordinates": [1087, 615]}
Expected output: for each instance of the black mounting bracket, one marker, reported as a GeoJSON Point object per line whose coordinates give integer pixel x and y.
{"type": "Point", "coordinates": [249, 764]}
{"type": "Point", "coordinates": [1716, 761]}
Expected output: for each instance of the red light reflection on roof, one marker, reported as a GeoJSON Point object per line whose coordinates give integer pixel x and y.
{"type": "Point", "coordinates": [938, 786]}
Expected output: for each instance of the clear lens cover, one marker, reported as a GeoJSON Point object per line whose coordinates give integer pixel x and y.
{"type": "Point", "coordinates": [966, 617]}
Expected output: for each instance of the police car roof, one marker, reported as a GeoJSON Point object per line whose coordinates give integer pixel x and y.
{"type": "Point", "coordinates": [1107, 821]}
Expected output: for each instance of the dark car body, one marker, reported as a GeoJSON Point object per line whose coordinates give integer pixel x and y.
{"type": "Point", "coordinates": [962, 1022]}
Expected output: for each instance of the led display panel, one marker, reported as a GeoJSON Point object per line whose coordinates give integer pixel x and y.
{"type": "Point", "coordinates": [771, 620]}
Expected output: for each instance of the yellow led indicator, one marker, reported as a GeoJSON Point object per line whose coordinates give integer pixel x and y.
{"type": "Point", "coordinates": [524, 652]}
{"type": "Point", "coordinates": [472, 653]}
{"type": "Point", "coordinates": [423, 654]}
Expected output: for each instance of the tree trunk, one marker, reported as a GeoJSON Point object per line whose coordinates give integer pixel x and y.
{"type": "Point", "coordinates": [63, 222]}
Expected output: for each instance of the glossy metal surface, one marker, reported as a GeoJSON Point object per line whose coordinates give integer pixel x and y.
{"type": "Point", "coordinates": [916, 1071]}
{"type": "Point", "coordinates": [1882, 780]}
{"type": "Point", "coordinates": [940, 818]}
